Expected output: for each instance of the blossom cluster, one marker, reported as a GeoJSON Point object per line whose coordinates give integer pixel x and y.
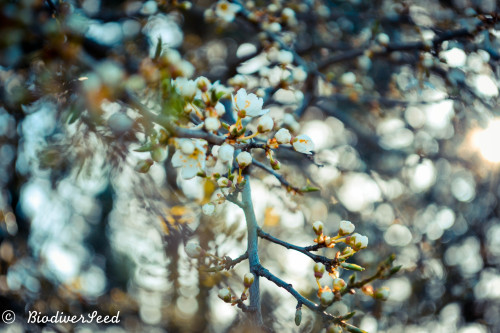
{"type": "Point", "coordinates": [355, 242]}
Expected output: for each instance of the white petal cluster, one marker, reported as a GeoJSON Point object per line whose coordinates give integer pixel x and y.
{"type": "Point", "coordinates": [346, 227]}
{"type": "Point", "coordinates": [185, 87]}
{"type": "Point", "coordinates": [190, 158]}
{"type": "Point", "coordinates": [248, 105]}
{"type": "Point", "coordinates": [226, 153]}
{"type": "Point", "coordinates": [226, 10]}
{"type": "Point", "coordinates": [193, 250]}
{"type": "Point", "coordinates": [265, 124]}
{"type": "Point", "coordinates": [326, 298]}
{"type": "Point", "coordinates": [212, 124]}
{"type": "Point", "coordinates": [244, 159]}
{"type": "Point", "coordinates": [283, 136]}
{"type": "Point", "coordinates": [358, 241]}
{"type": "Point", "coordinates": [208, 209]}
{"type": "Point", "coordinates": [285, 57]}
{"type": "Point", "coordinates": [303, 144]}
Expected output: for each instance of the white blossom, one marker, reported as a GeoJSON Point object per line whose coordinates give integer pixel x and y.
{"type": "Point", "coordinates": [223, 182]}
{"type": "Point", "coordinates": [299, 74]}
{"type": "Point", "coordinates": [185, 87]}
{"type": "Point", "coordinates": [208, 209]}
{"type": "Point", "coordinates": [212, 124]}
{"type": "Point", "coordinates": [348, 78]}
{"type": "Point", "coordinates": [226, 153]}
{"type": "Point", "coordinates": [318, 227]}
{"type": "Point", "coordinates": [220, 109]}
{"type": "Point", "coordinates": [186, 146]}
{"type": "Point", "coordinates": [285, 57]}
{"type": "Point", "coordinates": [358, 241]}
{"type": "Point", "coordinates": [244, 159]}
{"type": "Point", "coordinates": [225, 295]}
{"type": "Point", "coordinates": [193, 250]}
{"type": "Point", "coordinates": [248, 105]}
{"type": "Point", "coordinates": [383, 39]}
{"type": "Point", "coordinates": [346, 227]}
{"type": "Point", "coordinates": [303, 144]}
{"type": "Point", "coordinates": [226, 10]}
{"type": "Point", "coordinates": [326, 298]}
{"type": "Point", "coordinates": [190, 164]}
{"type": "Point", "coordinates": [283, 136]}
{"type": "Point", "coordinates": [248, 279]}
{"type": "Point", "coordinates": [265, 124]}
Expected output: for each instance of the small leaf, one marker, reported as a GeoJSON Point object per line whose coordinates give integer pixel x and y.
{"type": "Point", "coordinates": [147, 147]}
{"type": "Point", "coordinates": [352, 267]}
{"type": "Point", "coordinates": [309, 189]}
{"type": "Point", "coordinates": [349, 315]}
{"type": "Point", "coordinates": [395, 269]}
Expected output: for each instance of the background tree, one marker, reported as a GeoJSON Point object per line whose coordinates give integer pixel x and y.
{"type": "Point", "coordinates": [396, 104]}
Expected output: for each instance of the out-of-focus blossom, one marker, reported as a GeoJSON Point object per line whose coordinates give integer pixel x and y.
{"type": "Point", "coordinates": [303, 144]}
{"type": "Point", "coordinates": [226, 153]}
{"type": "Point", "coordinates": [226, 10]}
{"type": "Point", "coordinates": [346, 227]}
{"type": "Point", "coordinates": [248, 105]}
{"type": "Point", "coordinates": [283, 136]}
{"type": "Point", "coordinates": [193, 250]}
{"type": "Point", "coordinates": [190, 164]}
{"type": "Point", "coordinates": [208, 209]}
{"type": "Point", "coordinates": [244, 159]}
{"type": "Point", "coordinates": [212, 124]}
{"type": "Point", "coordinates": [265, 124]}
{"type": "Point", "coordinates": [185, 87]}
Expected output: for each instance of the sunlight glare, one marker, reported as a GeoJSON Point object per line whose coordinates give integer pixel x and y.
{"type": "Point", "coordinates": [486, 141]}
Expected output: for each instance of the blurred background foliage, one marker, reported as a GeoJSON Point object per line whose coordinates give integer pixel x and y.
{"type": "Point", "coordinates": [405, 133]}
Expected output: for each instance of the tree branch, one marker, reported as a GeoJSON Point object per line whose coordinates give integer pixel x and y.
{"type": "Point", "coordinates": [305, 250]}
{"type": "Point", "coordinates": [253, 253]}
{"type": "Point", "coordinates": [264, 272]}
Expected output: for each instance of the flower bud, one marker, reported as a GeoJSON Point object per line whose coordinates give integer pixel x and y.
{"type": "Point", "coordinates": [347, 252]}
{"type": "Point", "coordinates": [367, 290]}
{"type": "Point", "coordinates": [143, 165]}
{"type": "Point", "coordinates": [220, 109]}
{"type": "Point", "coordinates": [346, 227]}
{"type": "Point", "coordinates": [265, 124]}
{"type": "Point", "coordinates": [202, 83]}
{"type": "Point", "coordinates": [193, 250]}
{"type": "Point", "coordinates": [338, 284]}
{"type": "Point", "coordinates": [382, 293]}
{"type": "Point", "coordinates": [159, 154]}
{"type": "Point", "coordinates": [244, 159]}
{"type": "Point", "coordinates": [383, 39]}
{"type": "Point", "coordinates": [208, 209]}
{"type": "Point", "coordinates": [223, 182]}
{"type": "Point", "coordinates": [248, 280]}
{"type": "Point", "coordinates": [318, 227]}
{"type": "Point", "coordinates": [226, 153]}
{"type": "Point", "coordinates": [326, 298]}
{"type": "Point", "coordinates": [225, 295]}
{"type": "Point", "coordinates": [283, 136]}
{"type": "Point", "coordinates": [275, 164]}
{"type": "Point", "coordinates": [319, 269]}
{"type": "Point", "coordinates": [212, 124]}
{"type": "Point", "coordinates": [358, 241]}
{"type": "Point", "coordinates": [298, 316]}
{"type": "Point", "coordinates": [186, 146]}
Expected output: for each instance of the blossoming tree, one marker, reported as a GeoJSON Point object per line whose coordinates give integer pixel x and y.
{"type": "Point", "coordinates": [315, 104]}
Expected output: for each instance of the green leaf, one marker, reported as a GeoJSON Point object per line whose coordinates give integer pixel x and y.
{"type": "Point", "coordinates": [354, 329]}
{"type": "Point", "coordinates": [158, 48]}
{"type": "Point", "coordinates": [147, 147]}
{"type": "Point", "coordinates": [348, 316]}
{"type": "Point", "coordinates": [352, 267]}
{"type": "Point", "coordinates": [309, 189]}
